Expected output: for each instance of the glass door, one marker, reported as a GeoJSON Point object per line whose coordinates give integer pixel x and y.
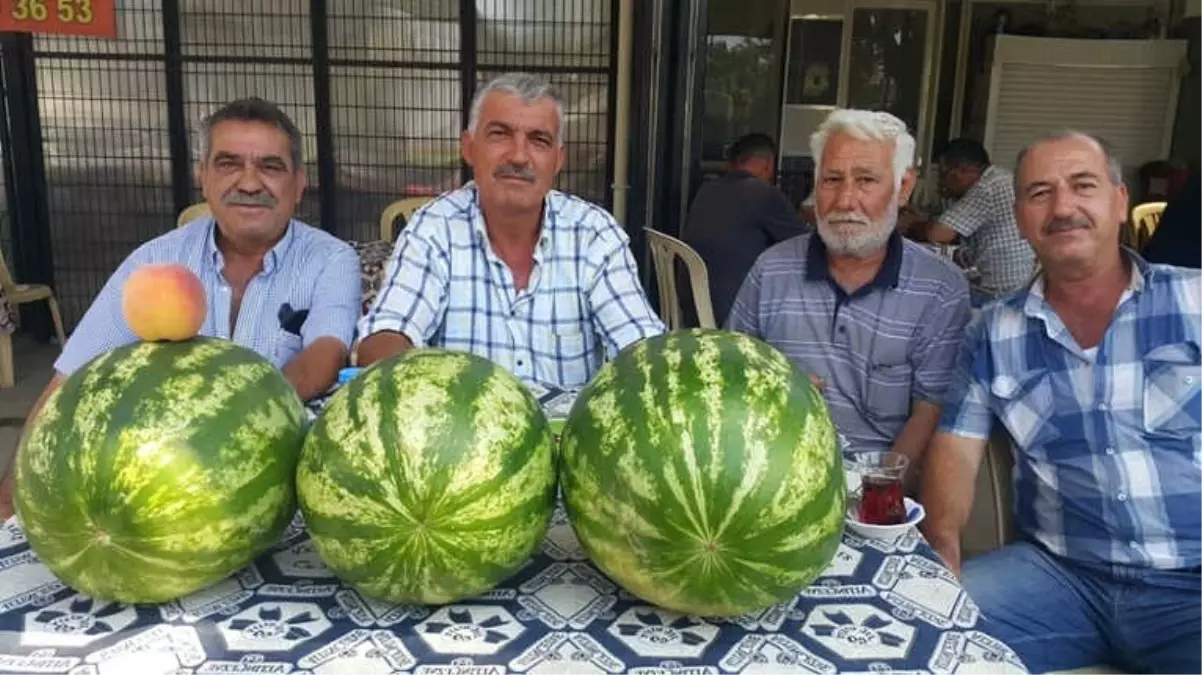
{"type": "Point", "coordinates": [871, 54]}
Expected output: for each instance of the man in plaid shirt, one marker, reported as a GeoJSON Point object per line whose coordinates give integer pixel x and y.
{"type": "Point", "coordinates": [540, 282]}
{"type": "Point", "coordinates": [983, 218]}
{"type": "Point", "coordinates": [1094, 371]}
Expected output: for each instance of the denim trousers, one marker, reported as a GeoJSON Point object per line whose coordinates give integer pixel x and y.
{"type": "Point", "coordinates": [1059, 614]}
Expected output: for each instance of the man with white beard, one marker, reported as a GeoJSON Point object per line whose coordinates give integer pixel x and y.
{"type": "Point", "coordinates": [874, 319]}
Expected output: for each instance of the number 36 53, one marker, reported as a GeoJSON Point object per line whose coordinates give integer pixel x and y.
{"type": "Point", "coordinates": [69, 11]}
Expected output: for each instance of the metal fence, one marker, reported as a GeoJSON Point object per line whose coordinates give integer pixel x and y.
{"type": "Point", "coordinates": [379, 89]}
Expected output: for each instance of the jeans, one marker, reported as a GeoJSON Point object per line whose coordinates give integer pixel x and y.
{"type": "Point", "coordinates": [1060, 615]}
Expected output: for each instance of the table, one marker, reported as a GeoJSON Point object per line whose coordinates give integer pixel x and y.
{"type": "Point", "coordinates": [880, 607]}
{"type": "Point", "coordinates": [8, 319]}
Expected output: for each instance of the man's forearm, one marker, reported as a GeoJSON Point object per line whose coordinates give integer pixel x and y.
{"type": "Point", "coordinates": [382, 345]}
{"type": "Point", "coordinates": [315, 369]}
{"type": "Point", "coordinates": [914, 439]}
{"type": "Point", "coordinates": [948, 489]}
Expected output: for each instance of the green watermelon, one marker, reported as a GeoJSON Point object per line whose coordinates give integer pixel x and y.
{"type": "Point", "coordinates": [700, 471]}
{"type": "Point", "coordinates": [428, 478]}
{"type": "Point", "coordinates": [160, 468]}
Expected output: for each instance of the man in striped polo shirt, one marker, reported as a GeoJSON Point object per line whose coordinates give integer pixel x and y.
{"type": "Point", "coordinates": [875, 319]}
{"type": "Point", "coordinates": [1094, 370]}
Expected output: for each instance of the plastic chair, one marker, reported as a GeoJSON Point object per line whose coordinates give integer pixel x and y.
{"type": "Point", "coordinates": [17, 295]}
{"type": "Point", "coordinates": [1144, 218]}
{"type": "Point", "coordinates": [664, 251]}
{"type": "Point", "coordinates": [404, 208]}
{"type": "Point", "coordinates": [192, 213]}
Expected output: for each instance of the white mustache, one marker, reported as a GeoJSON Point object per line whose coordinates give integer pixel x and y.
{"type": "Point", "coordinates": [846, 217]}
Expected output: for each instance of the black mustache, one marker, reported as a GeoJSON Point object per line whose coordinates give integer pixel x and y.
{"type": "Point", "coordinates": [514, 171]}
{"type": "Point", "coordinates": [1063, 224]}
{"type": "Point", "coordinates": [239, 198]}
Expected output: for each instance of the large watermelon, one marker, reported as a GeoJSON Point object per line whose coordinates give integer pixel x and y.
{"type": "Point", "coordinates": [160, 468]}
{"type": "Point", "coordinates": [428, 478]}
{"type": "Point", "coordinates": [700, 471]}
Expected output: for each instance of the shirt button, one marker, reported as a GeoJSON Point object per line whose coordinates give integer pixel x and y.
{"type": "Point", "coordinates": [1122, 496]}
{"type": "Point", "coordinates": [842, 329]}
{"type": "Point", "coordinates": [1189, 380]}
{"type": "Point", "coordinates": [1102, 406]}
{"type": "Point", "coordinates": [521, 363]}
{"type": "Point", "coordinates": [1133, 544]}
{"type": "Point", "coordinates": [1110, 451]}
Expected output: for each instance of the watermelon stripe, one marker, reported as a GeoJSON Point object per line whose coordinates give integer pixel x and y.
{"type": "Point", "coordinates": [177, 464]}
{"type": "Point", "coordinates": [430, 478]}
{"type": "Point", "coordinates": [700, 471]}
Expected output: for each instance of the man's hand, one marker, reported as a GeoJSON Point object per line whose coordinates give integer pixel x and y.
{"type": "Point", "coordinates": [818, 382]}
{"type": "Point", "coordinates": [948, 487]}
{"type": "Point", "coordinates": [313, 370]}
{"type": "Point", "coordinates": [948, 548]}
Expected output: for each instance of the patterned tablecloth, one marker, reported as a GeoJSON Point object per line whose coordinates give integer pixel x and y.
{"type": "Point", "coordinates": [880, 607]}
{"type": "Point", "coordinates": [7, 318]}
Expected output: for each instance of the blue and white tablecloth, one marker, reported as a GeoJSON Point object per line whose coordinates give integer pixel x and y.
{"type": "Point", "coordinates": [881, 607]}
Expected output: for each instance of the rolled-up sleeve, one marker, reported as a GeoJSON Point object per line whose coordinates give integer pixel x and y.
{"type": "Point", "coordinates": [965, 410]}
{"type": "Point", "coordinates": [413, 299]}
{"type": "Point", "coordinates": [336, 298]}
{"type": "Point", "coordinates": [102, 328]}
{"type": "Point", "coordinates": [939, 342]}
{"type": "Point", "coordinates": [621, 314]}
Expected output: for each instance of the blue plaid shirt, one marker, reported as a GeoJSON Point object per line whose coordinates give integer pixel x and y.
{"type": "Point", "coordinates": [307, 269]}
{"type": "Point", "coordinates": [1108, 466]}
{"type": "Point", "coordinates": [445, 287]}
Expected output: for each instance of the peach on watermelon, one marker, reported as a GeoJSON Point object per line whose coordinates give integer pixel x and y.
{"type": "Point", "coordinates": [164, 303]}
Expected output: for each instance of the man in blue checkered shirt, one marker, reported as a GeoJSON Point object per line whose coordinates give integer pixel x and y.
{"type": "Point", "coordinates": [1094, 371]}
{"type": "Point", "coordinates": [540, 282]}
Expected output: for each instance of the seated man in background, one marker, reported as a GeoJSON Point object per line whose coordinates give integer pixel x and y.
{"type": "Point", "coordinates": [735, 218]}
{"type": "Point", "coordinates": [983, 218]}
{"type": "Point", "coordinates": [877, 319]}
{"type": "Point", "coordinates": [540, 282]}
{"type": "Point", "coordinates": [1095, 372]}
{"type": "Point", "coordinates": [275, 285]}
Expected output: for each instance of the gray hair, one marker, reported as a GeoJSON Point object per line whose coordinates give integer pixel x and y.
{"type": "Point", "coordinates": [1114, 166]}
{"type": "Point", "coordinates": [530, 88]}
{"type": "Point", "coordinates": [252, 110]}
{"type": "Point", "coordinates": [867, 125]}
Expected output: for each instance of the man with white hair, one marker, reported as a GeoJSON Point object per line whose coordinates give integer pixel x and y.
{"type": "Point", "coordinates": [538, 281]}
{"type": "Point", "coordinates": [873, 318]}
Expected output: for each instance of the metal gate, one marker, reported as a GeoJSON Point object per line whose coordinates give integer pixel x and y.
{"type": "Point", "coordinates": [99, 155]}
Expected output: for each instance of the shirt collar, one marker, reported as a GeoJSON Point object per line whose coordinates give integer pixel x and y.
{"type": "Point", "coordinates": [271, 261]}
{"type": "Point", "coordinates": [550, 216]}
{"type": "Point", "coordinates": [888, 276]}
{"type": "Point", "coordinates": [1141, 275]}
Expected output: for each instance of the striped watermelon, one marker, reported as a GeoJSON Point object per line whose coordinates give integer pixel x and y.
{"type": "Point", "coordinates": [700, 471]}
{"type": "Point", "coordinates": [160, 468]}
{"type": "Point", "coordinates": [428, 478]}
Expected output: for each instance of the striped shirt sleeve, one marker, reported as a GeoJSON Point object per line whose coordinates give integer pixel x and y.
{"type": "Point", "coordinates": [744, 313]}
{"type": "Point", "coordinates": [336, 299]}
{"type": "Point", "coordinates": [620, 311]}
{"type": "Point", "coordinates": [938, 342]}
{"type": "Point", "coordinates": [413, 298]}
{"type": "Point", "coordinates": [102, 328]}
